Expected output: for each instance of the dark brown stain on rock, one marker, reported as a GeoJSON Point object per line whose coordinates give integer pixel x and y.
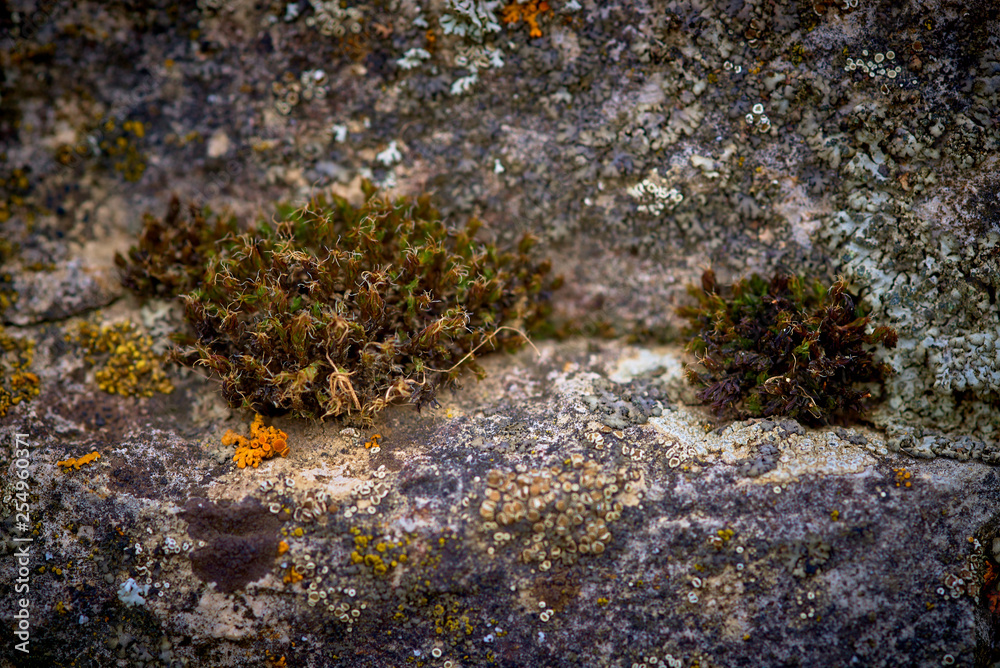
{"type": "Point", "coordinates": [241, 541]}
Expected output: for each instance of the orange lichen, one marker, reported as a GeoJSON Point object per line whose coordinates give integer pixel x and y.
{"type": "Point", "coordinates": [232, 438]}
{"type": "Point", "coordinates": [373, 443]}
{"type": "Point", "coordinates": [902, 477]}
{"type": "Point", "coordinates": [293, 576]}
{"type": "Point", "coordinates": [76, 463]}
{"type": "Point", "coordinates": [264, 443]}
{"type": "Point", "coordinates": [245, 457]}
{"type": "Point", "coordinates": [528, 11]}
{"type": "Point", "coordinates": [280, 447]}
{"type": "Point", "coordinates": [282, 547]}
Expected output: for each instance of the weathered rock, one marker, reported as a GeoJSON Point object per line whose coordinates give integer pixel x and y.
{"type": "Point", "coordinates": [67, 290]}
{"type": "Point", "coordinates": [641, 141]}
{"type": "Point", "coordinates": [651, 539]}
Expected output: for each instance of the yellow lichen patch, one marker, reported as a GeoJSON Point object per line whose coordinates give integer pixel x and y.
{"type": "Point", "coordinates": [16, 186]}
{"type": "Point", "coordinates": [114, 145]}
{"type": "Point", "coordinates": [282, 547]}
{"type": "Point", "coordinates": [902, 477]}
{"type": "Point", "coordinates": [383, 556]}
{"type": "Point", "coordinates": [451, 620]}
{"type": "Point", "coordinates": [132, 369]}
{"type": "Point", "coordinates": [720, 538]}
{"type": "Point", "coordinates": [76, 463]}
{"type": "Point", "coordinates": [264, 443]}
{"type": "Point", "coordinates": [293, 576]}
{"type": "Point", "coordinates": [8, 250]}
{"type": "Point", "coordinates": [528, 11]}
{"type": "Point", "coordinates": [8, 296]}
{"type": "Point", "coordinates": [17, 384]}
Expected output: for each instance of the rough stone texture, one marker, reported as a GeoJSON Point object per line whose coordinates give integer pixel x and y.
{"type": "Point", "coordinates": [629, 138]}
{"type": "Point", "coordinates": [822, 557]}
{"type": "Point", "coordinates": [63, 292]}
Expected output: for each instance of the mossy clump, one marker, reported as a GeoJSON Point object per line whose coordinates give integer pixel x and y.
{"type": "Point", "coordinates": [173, 251]}
{"type": "Point", "coordinates": [332, 309]}
{"type": "Point", "coordinates": [17, 383]}
{"type": "Point", "coordinates": [129, 365]}
{"type": "Point", "coordinates": [787, 346]}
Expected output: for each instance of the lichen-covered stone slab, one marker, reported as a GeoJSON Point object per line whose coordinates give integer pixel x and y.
{"type": "Point", "coordinates": [642, 142]}
{"type": "Point", "coordinates": [506, 528]}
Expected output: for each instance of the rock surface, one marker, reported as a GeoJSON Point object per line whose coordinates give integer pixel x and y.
{"type": "Point", "coordinates": [755, 543]}
{"type": "Point", "coordinates": [641, 141]}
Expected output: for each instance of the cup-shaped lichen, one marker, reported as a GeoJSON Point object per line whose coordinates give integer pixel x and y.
{"type": "Point", "coordinates": [333, 309]}
{"type": "Point", "coordinates": [787, 346]}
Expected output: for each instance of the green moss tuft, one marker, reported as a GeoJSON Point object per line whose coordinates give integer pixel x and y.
{"type": "Point", "coordinates": [335, 310]}
{"type": "Point", "coordinates": [787, 346]}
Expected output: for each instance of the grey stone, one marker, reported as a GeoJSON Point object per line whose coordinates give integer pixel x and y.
{"type": "Point", "coordinates": [737, 542]}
